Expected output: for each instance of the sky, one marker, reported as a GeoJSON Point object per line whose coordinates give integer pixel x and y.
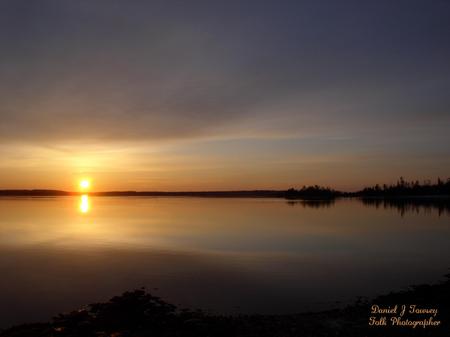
{"type": "Point", "coordinates": [219, 95]}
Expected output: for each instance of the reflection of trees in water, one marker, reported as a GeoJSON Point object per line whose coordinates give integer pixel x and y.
{"type": "Point", "coordinates": [402, 205]}
{"type": "Point", "coordinates": [312, 203]}
{"type": "Point", "coordinates": [412, 205]}
{"type": "Point", "coordinates": [311, 192]}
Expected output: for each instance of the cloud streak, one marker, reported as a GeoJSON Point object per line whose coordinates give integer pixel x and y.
{"type": "Point", "coordinates": [131, 70]}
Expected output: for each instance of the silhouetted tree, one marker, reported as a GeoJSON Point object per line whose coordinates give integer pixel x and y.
{"type": "Point", "coordinates": [405, 188]}
{"type": "Point", "coordinates": [312, 192]}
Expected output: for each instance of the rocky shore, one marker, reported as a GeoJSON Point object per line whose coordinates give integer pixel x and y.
{"type": "Point", "coordinates": [139, 313]}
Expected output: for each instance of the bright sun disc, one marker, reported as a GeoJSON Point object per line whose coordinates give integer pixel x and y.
{"type": "Point", "coordinates": [84, 184]}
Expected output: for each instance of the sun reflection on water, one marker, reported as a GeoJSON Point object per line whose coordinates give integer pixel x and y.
{"type": "Point", "coordinates": [84, 204]}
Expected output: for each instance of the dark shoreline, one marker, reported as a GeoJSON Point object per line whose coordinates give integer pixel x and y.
{"type": "Point", "coordinates": [208, 194]}
{"type": "Point", "coordinates": [218, 194]}
{"type": "Point", "coordinates": [138, 313]}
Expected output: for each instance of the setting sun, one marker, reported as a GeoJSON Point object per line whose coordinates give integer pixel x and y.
{"type": "Point", "coordinates": [85, 184]}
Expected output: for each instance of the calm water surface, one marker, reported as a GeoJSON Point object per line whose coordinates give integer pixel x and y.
{"type": "Point", "coordinates": [222, 255]}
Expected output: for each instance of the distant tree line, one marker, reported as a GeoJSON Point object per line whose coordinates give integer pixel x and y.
{"type": "Point", "coordinates": [312, 192]}
{"type": "Point", "coordinates": [408, 188]}
{"type": "Point", "coordinates": [401, 188]}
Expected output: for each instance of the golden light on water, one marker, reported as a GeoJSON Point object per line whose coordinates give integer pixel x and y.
{"type": "Point", "coordinates": [84, 203]}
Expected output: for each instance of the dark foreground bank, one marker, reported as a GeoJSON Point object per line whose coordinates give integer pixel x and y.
{"type": "Point", "coordinates": [138, 313]}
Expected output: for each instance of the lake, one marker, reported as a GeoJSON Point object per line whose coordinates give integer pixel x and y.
{"type": "Point", "coordinates": [221, 255]}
